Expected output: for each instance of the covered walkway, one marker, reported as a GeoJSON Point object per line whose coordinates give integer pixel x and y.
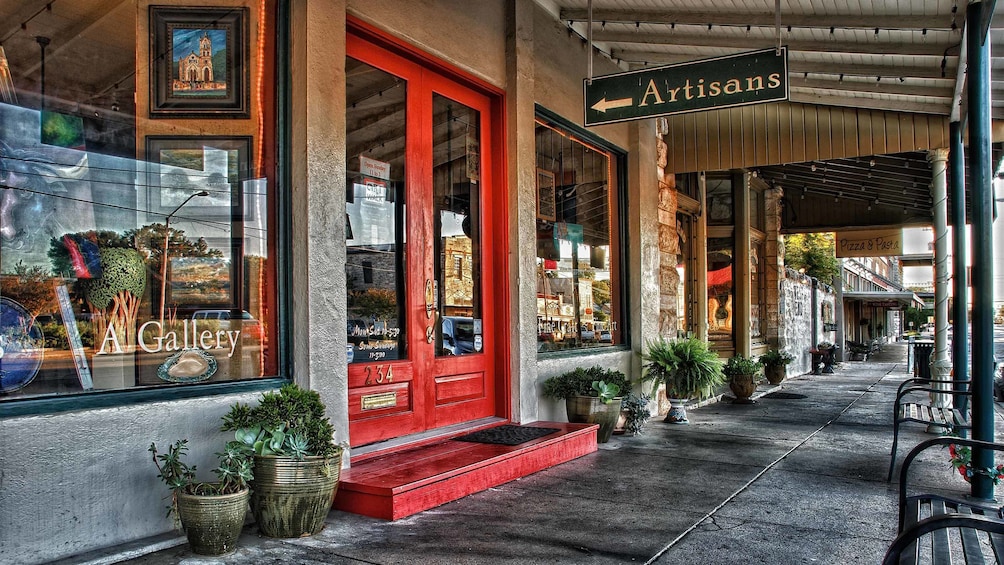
{"type": "Point", "coordinates": [797, 477]}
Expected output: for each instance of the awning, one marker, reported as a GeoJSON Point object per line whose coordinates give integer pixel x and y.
{"type": "Point", "coordinates": [883, 299]}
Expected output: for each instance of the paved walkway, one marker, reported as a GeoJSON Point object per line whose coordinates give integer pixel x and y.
{"type": "Point", "coordinates": [785, 481]}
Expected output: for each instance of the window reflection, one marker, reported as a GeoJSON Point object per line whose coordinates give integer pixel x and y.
{"type": "Point", "coordinates": [134, 252]}
{"type": "Point", "coordinates": [577, 283]}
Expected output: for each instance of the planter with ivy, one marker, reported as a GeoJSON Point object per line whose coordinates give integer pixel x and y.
{"type": "Point", "coordinates": [742, 373]}
{"type": "Point", "coordinates": [775, 365]}
{"type": "Point", "coordinates": [592, 396]}
{"type": "Point", "coordinates": [211, 514]}
{"type": "Point", "coordinates": [296, 462]}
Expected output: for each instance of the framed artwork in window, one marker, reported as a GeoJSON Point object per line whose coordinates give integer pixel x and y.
{"type": "Point", "coordinates": [181, 166]}
{"type": "Point", "coordinates": [546, 206]}
{"type": "Point", "coordinates": [199, 62]}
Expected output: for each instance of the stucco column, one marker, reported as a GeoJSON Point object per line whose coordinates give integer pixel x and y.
{"type": "Point", "coordinates": [741, 265]}
{"type": "Point", "coordinates": [317, 171]}
{"type": "Point", "coordinates": [701, 252]}
{"type": "Point", "coordinates": [941, 366]}
{"type": "Point", "coordinates": [522, 207]}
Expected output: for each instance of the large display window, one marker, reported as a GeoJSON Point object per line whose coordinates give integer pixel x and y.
{"type": "Point", "coordinates": [138, 240]}
{"type": "Point", "coordinates": [579, 286]}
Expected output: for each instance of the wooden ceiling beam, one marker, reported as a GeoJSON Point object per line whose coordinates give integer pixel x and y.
{"type": "Point", "coordinates": [891, 87]}
{"type": "Point", "coordinates": [815, 96]}
{"type": "Point", "coordinates": [750, 43]}
{"type": "Point", "coordinates": [801, 67]}
{"type": "Point", "coordinates": [766, 19]}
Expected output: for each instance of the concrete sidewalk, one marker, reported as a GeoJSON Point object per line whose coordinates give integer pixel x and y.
{"type": "Point", "coordinates": [785, 480]}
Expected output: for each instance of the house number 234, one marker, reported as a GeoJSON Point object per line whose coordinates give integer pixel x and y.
{"type": "Point", "coordinates": [379, 374]}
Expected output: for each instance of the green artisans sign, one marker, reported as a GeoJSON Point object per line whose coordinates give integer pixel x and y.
{"type": "Point", "coordinates": [735, 80]}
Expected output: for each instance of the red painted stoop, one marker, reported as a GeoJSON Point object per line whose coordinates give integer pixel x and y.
{"type": "Point", "coordinates": [403, 483]}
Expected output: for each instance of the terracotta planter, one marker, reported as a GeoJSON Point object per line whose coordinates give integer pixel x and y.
{"type": "Point", "coordinates": [213, 523]}
{"type": "Point", "coordinates": [743, 386]}
{"type": "Point", "coordinates": [589, 410]}
{"type": "Point", "coordinates": [292, 498]}
{"type": "Point", "coordinates": [775, 374]}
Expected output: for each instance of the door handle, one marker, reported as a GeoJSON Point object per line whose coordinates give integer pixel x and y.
{"type": "Point", "coordinates": [431, 308]}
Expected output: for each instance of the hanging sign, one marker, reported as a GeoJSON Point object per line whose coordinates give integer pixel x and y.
{"type": "Point", "coordinates": [755, 77]}
{"type": "Point", "coordinates": [871, 243]}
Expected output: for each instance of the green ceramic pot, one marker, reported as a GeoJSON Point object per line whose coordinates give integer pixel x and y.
{"type": "Point", "coordinates": [291, 498]}
{"type": "Point", "coordinates": [213, 523]}
{"type": "Point", "coordinates": [589, 410]}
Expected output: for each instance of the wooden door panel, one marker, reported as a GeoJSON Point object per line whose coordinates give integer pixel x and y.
{"type": "Point", "coordinates": [459, 388]}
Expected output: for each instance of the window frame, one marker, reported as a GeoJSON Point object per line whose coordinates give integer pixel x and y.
{"type": "Point", "coordinates": [619, 231]}
{"type": "Point", "coordinates": [44, 405]}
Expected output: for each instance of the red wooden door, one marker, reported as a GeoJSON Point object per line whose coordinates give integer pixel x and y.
{"type": "Point", "coordinates": [421, 316]}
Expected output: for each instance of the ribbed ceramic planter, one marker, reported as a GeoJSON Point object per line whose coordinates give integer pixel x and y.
{"type": "Point", "coordinates": [589, 410]}
{"type": "Point", "coordinates": [213, 523]}
{"type": "Point", "coordinates": [743, 386]}
{"type": "Point", "coordinates": [291, 498]}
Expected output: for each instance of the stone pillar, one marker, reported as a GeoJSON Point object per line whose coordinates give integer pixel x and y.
{"type": "Point", "coordinates": [774, 251]}
{"type": "Point", "coordinates": [669, 245]}
{"type": "Point", "coordinates": [941, 366]}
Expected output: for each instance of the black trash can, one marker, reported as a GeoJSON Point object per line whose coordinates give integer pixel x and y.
{"type": "Point", "coordinates": [922, 359]}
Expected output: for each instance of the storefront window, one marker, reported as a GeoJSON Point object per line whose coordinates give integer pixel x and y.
{"type": "Point", "coordinates": [758, 291]}
{"type": "Point", "coordinates": [721, 291]}
{"type": "Point", "coordinates": [684, 268]}
{"type": "Point", "coordinates": [138, 210]}
{"type": "Point", "coordinates": [719, 191]}
{"type": "Point", "coordinates": [578, 279]}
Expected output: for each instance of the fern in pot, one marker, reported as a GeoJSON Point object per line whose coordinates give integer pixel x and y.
{"type": "Point", "coordinates": [687, 367]}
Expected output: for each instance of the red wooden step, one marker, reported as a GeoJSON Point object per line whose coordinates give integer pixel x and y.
{"type": "Point", "coordinates": [403, 483]}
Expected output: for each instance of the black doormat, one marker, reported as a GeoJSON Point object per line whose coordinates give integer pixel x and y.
{"type": "Point", "coordinates": [785, 396]}
{"type": "Point", "coordinates": [507, 435]}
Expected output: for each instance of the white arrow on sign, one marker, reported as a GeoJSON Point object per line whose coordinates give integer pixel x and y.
{"type": "Point", "coordinates": [603, 105]}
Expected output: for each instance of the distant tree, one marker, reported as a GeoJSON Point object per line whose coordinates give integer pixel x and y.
{"type": "Point", "coordinates": [813, 254]}
{"type": "Point", "coordinates": [32, 288]}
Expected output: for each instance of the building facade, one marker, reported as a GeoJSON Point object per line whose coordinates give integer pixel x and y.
{"type": "Point", "coordinates": [409, 218]}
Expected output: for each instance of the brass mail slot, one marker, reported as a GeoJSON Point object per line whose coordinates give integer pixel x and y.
{"type": "Point", "coordinates": [378, 401]}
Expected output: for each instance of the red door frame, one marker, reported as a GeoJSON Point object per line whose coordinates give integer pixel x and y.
{"type": "Point", "coordinates": [366, 43]}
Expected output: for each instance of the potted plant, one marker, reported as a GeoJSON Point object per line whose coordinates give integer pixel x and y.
{"type": "Point", "coordinates": [635, 413]}
{"type": "Point", "coordinates": [591, 396]}
{"type": "Point", "coordinates": [826, 351]}
{"type": "Point", "coordinates": [211, 514]}
{"type": "Point", "coordinates": [741, 371]}
{"type": "Point", "coordinates": [296, 462]}
{"type": "Point", "coordinates": [688, 368]}
{"type": "Point", "coordinates": [775, 363]}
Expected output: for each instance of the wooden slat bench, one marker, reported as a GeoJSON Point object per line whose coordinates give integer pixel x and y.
{"type": "Point", "coordinates": [941, 529]}
{"type": "Point", "coordinates": [904, 410]}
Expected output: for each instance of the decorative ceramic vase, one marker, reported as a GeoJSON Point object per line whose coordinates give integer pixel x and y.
{"type": "Point", "coordinates": [677, 411]}
{"type": "Point", "coordinates": [589, 410]}
{"type": "Point", "coordinates": [775, 374]}
{"type": "Point", "coordinates": [291, 498]}
{"type": "Point", "coordinates": [213, 523]}
{"type": "Point", "coordinates": [743, 386]}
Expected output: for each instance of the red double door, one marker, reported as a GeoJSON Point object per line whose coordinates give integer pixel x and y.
{"type": "Point", "coordinates": [425, 249]}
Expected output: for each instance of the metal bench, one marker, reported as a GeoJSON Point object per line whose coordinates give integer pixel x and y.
{"type": "Point", "coordinates": [949, 418]}
{"type": "Point", "coordinates": [942, 529]}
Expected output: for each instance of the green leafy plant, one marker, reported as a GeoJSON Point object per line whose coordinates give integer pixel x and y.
{"type": "Point", "coordinates": [579, 382]}
{"type": "Point", "coordinates": [233, 474]}
{"type": "Point", "coordinates": [740, 364]}
{"type": "Point", "coordinates": [636, 411]}
{"type": "Point", "coordinates": [824, 345]}
{"type": "Point", "coordinates": [775, 358]}
{"type": "Point", "coordinates": [288, 423]}
{"type": "Point", "coordinates": [687, 366]}
{"type": "Point", "coordinates": [605, 391]}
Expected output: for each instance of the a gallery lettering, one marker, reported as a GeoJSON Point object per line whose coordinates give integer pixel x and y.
{"type": "Point", "coordinates": [708, 90]}
{"type": "Point", "coordinates": [190, 337]}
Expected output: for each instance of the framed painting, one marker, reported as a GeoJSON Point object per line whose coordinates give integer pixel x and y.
{"type": "Point", "coordinates": [546, 205]}
{"type": "Point", "coordinates": [182, 166]}
{"type": "Point", "coordinates": [199, 62]}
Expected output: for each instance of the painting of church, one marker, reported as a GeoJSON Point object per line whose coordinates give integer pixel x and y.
{"type": "Point", "coordinates": [198, 69]}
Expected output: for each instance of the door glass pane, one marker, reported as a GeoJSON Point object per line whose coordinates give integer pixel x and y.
{"type": "Point", "coordinates": [374, 231]}
{"type": "Point", "coordinates": [456, 184]}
